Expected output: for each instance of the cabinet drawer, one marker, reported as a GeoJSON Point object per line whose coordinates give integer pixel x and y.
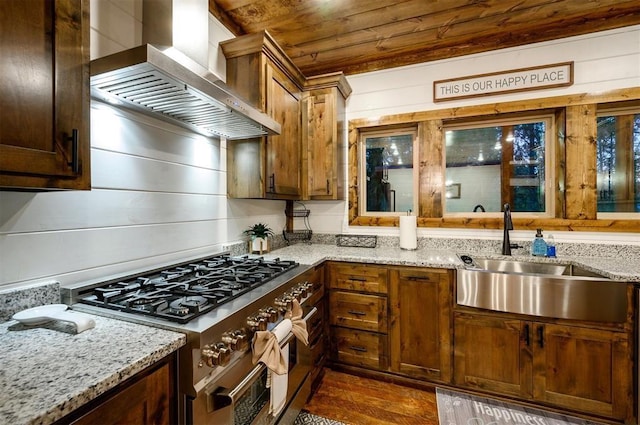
{"type": "Point", "coordinates": [359, 348]}
{"type": "Point", "coordinates": [358, 311]}
{"type": "Point", "coordinates": [428, 275]}
{"type": "Point", "coordinates": [358, 277]}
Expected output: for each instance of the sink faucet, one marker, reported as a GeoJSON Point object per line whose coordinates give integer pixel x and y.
{"type": "Point", "coordinates": [507, 225]}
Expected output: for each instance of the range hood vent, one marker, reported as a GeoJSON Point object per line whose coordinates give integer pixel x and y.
{"type": "Point", "coordinates": [163, 82]}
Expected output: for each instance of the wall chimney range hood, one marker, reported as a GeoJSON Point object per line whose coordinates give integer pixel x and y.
{"type": "Point", "coordinates": [164, 81]}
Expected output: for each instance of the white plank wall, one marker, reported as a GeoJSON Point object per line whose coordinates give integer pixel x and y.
{"type": "Point", "coordinates": [603, 61]}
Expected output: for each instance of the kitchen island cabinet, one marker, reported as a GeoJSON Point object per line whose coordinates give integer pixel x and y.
{"type": "Point", "coordinates": [44, 94]}
{"type": "Point", "coordinates": [147, 398]}
{"type": "Point", "coordinates": [568, 366]}
{"type": "Point", "coordinates": [52, 374]}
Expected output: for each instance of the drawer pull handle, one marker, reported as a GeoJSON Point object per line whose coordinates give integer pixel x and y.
{"type": "Point", "coordinates": [418, 278]}
{"type": "Point", "coordinates": [358, 348]}
{"type": "Point", "coordinates": [75, 159]}
{"type": "Point", "coordinates": [358, 279]}
{"type": "Point", "coordinates": [319, 360]}
{"type": "Point", "coordinates": [541, 336]}
{"type": "Point", "coordinates": [357, 313]}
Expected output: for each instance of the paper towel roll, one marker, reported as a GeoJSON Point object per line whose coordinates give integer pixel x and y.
{"type": "Point", "coordinates": [408, 232]}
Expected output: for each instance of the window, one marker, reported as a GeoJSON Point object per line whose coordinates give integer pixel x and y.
{"type": "Point", "coordinates": [618, 162]}
{"type": "Point", "coordinates": [387, 173]}
{"type": "Point", "coordinates": [489, 164]}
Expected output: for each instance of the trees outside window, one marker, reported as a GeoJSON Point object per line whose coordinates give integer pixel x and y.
{"type": "Point", "coordinates": [618, 162]}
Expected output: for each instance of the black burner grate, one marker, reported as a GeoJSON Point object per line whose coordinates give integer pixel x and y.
{"type": "Point", "coordinates": [183, 292]}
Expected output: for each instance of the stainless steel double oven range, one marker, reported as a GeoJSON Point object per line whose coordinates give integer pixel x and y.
{"type": "Point", "coordinates": [218, 302]}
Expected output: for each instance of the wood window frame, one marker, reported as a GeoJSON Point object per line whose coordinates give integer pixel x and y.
{"type": "Point", "coordinates": [387, 131]}
{"type": "Point", "coordinates": [575, 189]}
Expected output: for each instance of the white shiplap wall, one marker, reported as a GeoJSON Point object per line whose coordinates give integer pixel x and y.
{"type": "Point", "coordinates": [158, 191]}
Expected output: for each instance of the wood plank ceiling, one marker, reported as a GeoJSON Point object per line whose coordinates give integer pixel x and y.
{"type": "Point", "coordinates": [356, 36]}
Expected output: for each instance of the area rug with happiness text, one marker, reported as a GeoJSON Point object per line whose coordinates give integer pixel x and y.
{"type": "Point", "coordinates": [457, 408]}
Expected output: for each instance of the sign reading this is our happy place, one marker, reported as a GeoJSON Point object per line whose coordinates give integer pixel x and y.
{"type": "Point", "coordinates": [534, 78]}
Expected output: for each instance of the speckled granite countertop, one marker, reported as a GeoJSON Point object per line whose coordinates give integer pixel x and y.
{"type": "Point", "coordinates": [48, 370]}
{"type": "Point", "coordinates": [620, 269]}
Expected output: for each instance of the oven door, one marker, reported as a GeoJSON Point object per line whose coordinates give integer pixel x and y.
{"type": "Point", "coordinates": [240, 395]}
{"type": "Point", "coordinates": [247, 403]}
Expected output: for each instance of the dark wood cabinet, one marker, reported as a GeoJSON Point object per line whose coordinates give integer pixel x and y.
{"type": "Point", "coordinates": [307, 160]}
{"type": "Point", "coordinates": [324, 137]}
{"type": "Point", "coordinates": [584, 369]}
{"type": "Point", "coordinates": [283, 151]}
{"type": "Point", "coordinates": [44, 94]}
{"type": "Point", "coordinates": [396, 320]}
{"type": "Point", "coordinates": [266, 167]}
{"type": "Point", "coordinates": [147, 398]}
{"type": "Point", "coordinates": [492, 354]}
{"type": "Point", "coordinates": [358, 314]}
{"type": "Point", "coordinates": [420, 324]}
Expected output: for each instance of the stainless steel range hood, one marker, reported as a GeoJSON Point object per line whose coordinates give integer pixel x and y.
{"type": "Point", "coordinates": [164, 82]}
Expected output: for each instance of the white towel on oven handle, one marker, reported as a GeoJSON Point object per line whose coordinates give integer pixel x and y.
{"type": "Point", "coordinates": [276, 359]}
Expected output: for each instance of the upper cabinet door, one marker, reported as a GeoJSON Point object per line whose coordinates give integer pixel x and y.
{"type": "Point", "coordinates": [283, 151]}
{"type": "Point", "coordinates": [44, 94]}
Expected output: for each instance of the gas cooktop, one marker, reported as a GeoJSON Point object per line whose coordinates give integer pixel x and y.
{"type": "Point", "coordinates": [185, 291]}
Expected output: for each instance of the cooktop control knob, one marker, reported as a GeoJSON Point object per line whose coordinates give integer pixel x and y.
{"type": "Point", "coordinates": [283, 303]}
{"type": "Point", "coordinates": [257, 323]}
{"type": "Point", "coordinates": [236, 340]}
{"type": "Point", "coordinates": [304, 289]}
{"type": "Point", "coordinates": [242, 342]}
{"type": "Point", "coordinates": [215, 354]}
{"type": "Point", "coordinates": [224, 353]}
{"type": "Point", "coordinates": [230, 339]}
{"type": "Point", "coordinates": [269, 313]}
{"type": "Point", "coordinates": [296, 293]}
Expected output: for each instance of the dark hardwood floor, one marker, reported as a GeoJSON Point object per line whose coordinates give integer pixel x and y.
{"type": "Point", "coordinates": [356, 400]}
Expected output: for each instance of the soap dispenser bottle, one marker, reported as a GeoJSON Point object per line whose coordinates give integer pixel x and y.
{"type": "Point", "coordinates": [539, 246]}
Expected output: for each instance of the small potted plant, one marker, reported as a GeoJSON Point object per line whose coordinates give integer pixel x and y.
{"type": "Point", "coordinates": [259, 234]}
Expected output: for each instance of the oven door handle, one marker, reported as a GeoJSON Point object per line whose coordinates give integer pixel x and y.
{"type": "Point", "coordinates": [311, 313]}
{"type": "Point", "coordinates": [222, 397]}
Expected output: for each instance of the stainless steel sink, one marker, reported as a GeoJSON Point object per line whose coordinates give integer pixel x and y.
{"type": "Point", "coordinates": [541, 289]}
{"type": "Point", "coordinates": [514, 266]}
